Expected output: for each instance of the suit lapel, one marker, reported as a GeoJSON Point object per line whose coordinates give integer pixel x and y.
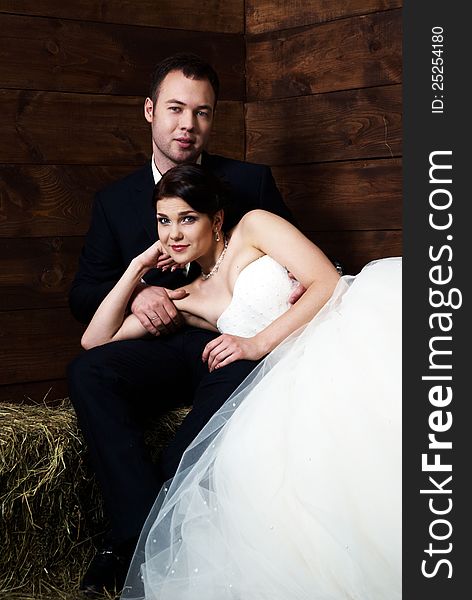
{"type": "Point", "coordinates": [207, 161]}
{"type": "Point", "coordinates": [143, 206]}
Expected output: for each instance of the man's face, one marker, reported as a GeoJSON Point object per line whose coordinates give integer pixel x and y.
{"type": "Point", "coordinates": [181, 119]}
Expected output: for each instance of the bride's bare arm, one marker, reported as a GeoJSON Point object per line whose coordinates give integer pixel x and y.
{"type": "Point", "coordinates": [196, 321]}
{"type": "Point", "coordinates": [311, 267]}
{"type": "Point", "coordinates": [289, 247]}
{"type": "Point", "coordinates": [110, 322]}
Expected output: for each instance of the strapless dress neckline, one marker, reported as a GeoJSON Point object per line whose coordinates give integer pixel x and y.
{"type": "Point", "coordinates": [260, 295]}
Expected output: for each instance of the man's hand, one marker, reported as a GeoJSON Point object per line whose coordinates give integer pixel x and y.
{"type": "Point", "coordinates": [154, 308]}
{"type": "Point", "coordinates": [297, 292]}
{"type": "Point", "coordinates": [226, 349]}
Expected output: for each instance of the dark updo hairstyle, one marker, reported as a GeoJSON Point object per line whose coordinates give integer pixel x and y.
{"type": "Point", "coordinates": [200, 189]}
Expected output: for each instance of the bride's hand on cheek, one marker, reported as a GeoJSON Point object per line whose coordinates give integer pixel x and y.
{"type": "Point", "coordinates": [155, 257]}
{"type": "Point", "coordinates": [226, 349]}
{"type": "Point", "coordinates": [166, 262]}
{"type": "Point", "coordinates": [150, 257]}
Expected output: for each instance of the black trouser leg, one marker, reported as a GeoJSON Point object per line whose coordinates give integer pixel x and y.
{"type": "Point", "coordinates": [212, 391]}
{"type": "Point", "coordinates": [113, 387]}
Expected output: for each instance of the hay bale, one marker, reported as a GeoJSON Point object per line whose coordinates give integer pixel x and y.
{"type": "Point", "coordinates": [51, 508]}
{"type": "Point", "coordinates": [50, 505]}
{"type": "Point", "coordinates": [162, 429]}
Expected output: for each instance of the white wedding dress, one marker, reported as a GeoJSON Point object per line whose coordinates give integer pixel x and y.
{"type": "Point", "coordinates": [293, 489]}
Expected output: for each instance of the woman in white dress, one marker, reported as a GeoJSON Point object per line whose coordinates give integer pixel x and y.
{"type": "Point", "coordinates": [292, 491]}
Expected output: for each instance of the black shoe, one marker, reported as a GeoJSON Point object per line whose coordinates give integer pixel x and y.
{"type": "Point", "coordinates": [107, 571]}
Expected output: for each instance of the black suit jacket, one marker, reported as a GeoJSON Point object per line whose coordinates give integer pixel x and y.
{"type": "Point", "coordinates": [124, 224]}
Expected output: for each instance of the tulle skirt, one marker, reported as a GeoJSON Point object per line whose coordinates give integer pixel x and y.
{"type": "Point", "coordinates": [293, 489]}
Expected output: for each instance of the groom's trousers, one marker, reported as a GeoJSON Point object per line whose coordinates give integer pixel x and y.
{"type": "Point", "coordinates": [118, 387]}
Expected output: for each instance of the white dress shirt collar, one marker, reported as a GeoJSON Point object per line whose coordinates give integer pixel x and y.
{"type": "Point", "coordinates": [157, 174]}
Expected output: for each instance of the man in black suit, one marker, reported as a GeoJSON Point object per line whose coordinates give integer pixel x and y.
{"type": "Point", "coordinates": [116, 387]}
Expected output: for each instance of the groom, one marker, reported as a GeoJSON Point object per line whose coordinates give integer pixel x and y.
{"type": "Point", "coordinates": [115, 388]}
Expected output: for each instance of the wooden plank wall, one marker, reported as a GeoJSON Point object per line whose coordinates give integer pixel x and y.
{"type": "Point", "coordinates": [73, 76]}
{"type": "Point", "coordinates": [320, 101]}
{"type": "Point", "coordinates": [324, 110]}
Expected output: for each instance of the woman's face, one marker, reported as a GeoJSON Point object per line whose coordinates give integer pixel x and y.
{"type": "Point", "coordinates": [185, 233]}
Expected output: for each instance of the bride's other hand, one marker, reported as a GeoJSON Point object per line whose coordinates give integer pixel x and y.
{"type": "Point", "coordinates": [227, 348]}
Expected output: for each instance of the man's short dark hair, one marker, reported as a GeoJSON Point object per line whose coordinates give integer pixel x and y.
{"type": "Point", "coordinates": [191, 65]}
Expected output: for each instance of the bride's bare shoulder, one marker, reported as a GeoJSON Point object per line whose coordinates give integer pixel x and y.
{"type": "Point", "coordinates": [256, 225]}
{"type": "Point", "coordinates": [254, 219]}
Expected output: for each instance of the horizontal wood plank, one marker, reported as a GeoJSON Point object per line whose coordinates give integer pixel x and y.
{"type": "Point", "coordinates": [337, 126]}
{"type": "Point", "coordinates": [37, 344]}
{"type": "Point", "coordinates": [49, 393]}
{"type": "Point", "coordinates": [54, 201]}
{"type": "Point", "coordinates": [347, 54]}
{"type": "Point", "coordinates": [343, 196]}
{"type": "Point", "coordinates": [57, 128]}
{"type": "Point", "coordinates": [272, 15]}
{"type": "Point", "coordinates": [211, 15]}
{"type": "Point", "coordinates": [228, 134]}
{"type": "Point", "coordinates": [37, 272]}
{"type": "Point", "coordinates": [51, 200]}
{"type": "Point", "coordinates": [354, 249]}
{"type": "Point", "coordinates": [73, 56]}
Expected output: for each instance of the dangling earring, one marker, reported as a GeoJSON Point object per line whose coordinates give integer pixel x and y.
{"type": "Point", "coordinates": [217, 235]}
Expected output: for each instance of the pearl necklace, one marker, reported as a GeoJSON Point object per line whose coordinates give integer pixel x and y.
{"type": "Point", "coordinates": [206, 276]}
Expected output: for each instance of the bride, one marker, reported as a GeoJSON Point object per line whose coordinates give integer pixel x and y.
{"type": "Point", "coordinates": [293, 489]}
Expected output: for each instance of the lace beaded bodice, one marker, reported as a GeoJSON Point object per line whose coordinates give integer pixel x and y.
{"type": "Point", "coordinates": [260, 295]}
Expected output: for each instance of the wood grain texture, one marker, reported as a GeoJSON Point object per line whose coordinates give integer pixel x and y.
{"type": "Point", "coordinates": [35, 392]}
{"type": "Point", "coordinates": [37, 344]}
{"type": "Point", "coordinates": [74, 56]}
{"type": "Point", "coordinates": [57, 128]}
{"type": "Point", "coordinates": [211, 15]}
{"type": "Point", "coordinates": [354, 249]}
{"type": "Point", "coordinates": [51, 200]}
{"type": "Point", "coordinates": [73, 79]}
{"type": "Point", "coordinates": [357, 195]}
{"type": "Point", "coordinates": [271, 15]}
{"type": "Point", "coordinates": [336, 126]}
{"type": "Point", "coordinates": [347, 54]}
{"type": "Point", "coordinates": [360, 195]}
{"type": "Point", "coordinates": [37, 272]}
